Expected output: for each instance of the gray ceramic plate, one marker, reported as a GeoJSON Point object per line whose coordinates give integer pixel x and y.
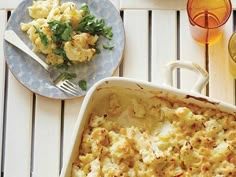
{"type": "Point", "coordinates": [34, 77]}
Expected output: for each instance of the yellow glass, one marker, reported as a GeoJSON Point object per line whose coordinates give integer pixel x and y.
{"type": "Point", "coordinates": [207, 18]}
{"type": "Point", "coordinates": [232, 55]}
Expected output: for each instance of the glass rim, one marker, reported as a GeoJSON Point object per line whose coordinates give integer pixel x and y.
{"type": "Point", "coordinates": [229, 43]}
{"type": "Point", "coordinates": [221, 24]}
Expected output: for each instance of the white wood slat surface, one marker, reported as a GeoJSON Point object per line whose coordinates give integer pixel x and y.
{"type": "Point", "coordinates": [18, 130]}
{"type": "Point", "coordinates": [153, 4]}
{"type": "Point", "coordinates": [135, 63]}
{"type": "Point", "coordinates": [47, 136]}
{"type": "Point", "coordinates": [71, 111]}
{"type": "Point", "coordinates": [158, 4]}
{"type": "Point", "coordinates": [164, 47]}
{"type": "Point", "coordinates": [221, 83]}
{"type": "Point", "coordinates": [190, 50]}
{"type": "Point", "coordinates": [3, 16]}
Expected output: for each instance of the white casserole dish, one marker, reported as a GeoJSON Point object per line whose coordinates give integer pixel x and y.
{"type": "Point", "coordinates": [141, 88]}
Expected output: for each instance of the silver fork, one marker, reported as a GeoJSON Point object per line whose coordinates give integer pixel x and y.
{"type": "Point", "coordinates": [65, 85]}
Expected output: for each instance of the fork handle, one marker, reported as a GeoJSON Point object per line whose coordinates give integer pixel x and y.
{"type": "Point", "coordinates": [14, 39]}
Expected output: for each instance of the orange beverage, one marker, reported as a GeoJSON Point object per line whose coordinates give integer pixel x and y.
{"type": "Point", "coordinates": [207, 18]}
{"type": "Point", "coordinates": [232, 54]}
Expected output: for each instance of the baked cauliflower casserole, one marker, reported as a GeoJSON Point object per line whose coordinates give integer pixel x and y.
{"type": "Point", "coordinates": [134, 136]}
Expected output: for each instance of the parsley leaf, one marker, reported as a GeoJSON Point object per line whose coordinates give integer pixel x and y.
{"type": "Point", "coordinates": [43, 37]}
{"type": "Point", "coordinates": [90, 24]}
{"type": "Point", "coordinates": [66, 35]}
{"type": "Point", "coordinates": [67, 76]}
{"type": "Point", "coordinates": [62, 66]}
{"type": "Point", "coordinates": [107, 32]}
{"type": "Point", "coordinates": [85, 8]}
{"type": "Point", "coordinates": [60, 51]}
{"type": "Point", "coordinates": [61, 31]}
{"type": "Point", "coordinates": [107, 47]}
{"type": "Point", "coordinates": [83, 84]}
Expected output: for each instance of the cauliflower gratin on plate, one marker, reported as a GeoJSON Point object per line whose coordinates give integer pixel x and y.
{"type": "Point", "coordinates": [133, 135]}
{"type": "Point", "coordinates": [65, 33]}
{"type": "Point", "coordinates": [83, 39]}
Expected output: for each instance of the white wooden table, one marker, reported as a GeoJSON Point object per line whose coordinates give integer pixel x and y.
{"type": "Point", "coordinates": [35, 131]}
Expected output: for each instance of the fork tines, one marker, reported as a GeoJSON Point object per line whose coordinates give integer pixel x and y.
{"type": "Point", "coordinates": [68, 87]}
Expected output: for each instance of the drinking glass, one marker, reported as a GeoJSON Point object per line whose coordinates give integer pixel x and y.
{"type": "Point", "coordinates": [232, 54]}
{"type": "Point", "coordinates": [207, 18]}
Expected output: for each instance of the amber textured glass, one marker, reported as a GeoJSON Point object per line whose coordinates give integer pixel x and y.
{"type": "Point", "coordinates": [207, 18]}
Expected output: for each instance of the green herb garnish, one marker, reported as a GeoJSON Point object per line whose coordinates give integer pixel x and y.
{"type": "Point", "coordinates": [43, 37]}
{"type": "Point", "coordinates": [61, 31]}
{"type": "Point", "coordinates": [67, 76]}
{"type": "Point", "coordinates": [62, 53]}
{"type": "Point", "coordinates": [83, 84]}
{"type": "Point", "coordinates": [62, 66]}
{"type": "Point", "coordinates": [85, 8]}
{"type": "Point", "coordinates": [90, 24]}
{"type": "Point", "coordinates": [107, 32]}
{"type": "Point", "coordinates": [108, 47]}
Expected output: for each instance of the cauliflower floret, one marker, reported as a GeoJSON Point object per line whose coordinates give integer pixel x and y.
{"type": "Point", "coordinates": [67, 11]}
{"type": "Point", "coordinates": [150, 153]}
{"type": "Point", "coordinates": [100, 136]}
{"type": "Point", "coordinates": [77, 50]}
{"type": "Point", "coordinates": [213, 127]}
{"type": "Point", "coordinates": [77, 172]}
{"type": "Point", "coordinates": [40, 9]}
{"type": "Point", "coordinates": [121, 149]}
{"type": "Point", "coordinates": [25, 26]}
{"type": "Point", "coordinates": [86, 159]}
{"type": "Point", "coordinates": [110, 169]}
{"type": "Point", "coordinates": [144, 170]}
{"type": "Point", "coordinates": [53, 59]}
{"type": "Point", "coordinates": [84, 40]}
{"type": "Point", "coordinates": [221, 151]}
{"type": "Point", "coordinates": [39, 46]}
{"type": "Point", "coordinates": [36, 39]}
{"type": "Point", "coordinates": [30, 27]}
{"type": "Point", "coordinates": [166, 131]}
{"type": "Point", "coordinates": [55, 14]}
{"type": "Point", "coordinates": [189, 156]}
{"type": "Point", "coordinates": [187, 117]}
{"type": "Point", "coordinates": [71, 13]}
{"type": "Point", "coordinates": [86, 142]}
{"type": "Point", "coordinates": [95, 169]}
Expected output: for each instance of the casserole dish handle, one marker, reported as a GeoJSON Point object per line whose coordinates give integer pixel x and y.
{"type": "Point", "coordinates": [203, 76]}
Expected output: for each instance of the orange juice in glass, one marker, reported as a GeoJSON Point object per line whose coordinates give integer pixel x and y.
{"type": "Point", "coordinates": [207, 18]}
